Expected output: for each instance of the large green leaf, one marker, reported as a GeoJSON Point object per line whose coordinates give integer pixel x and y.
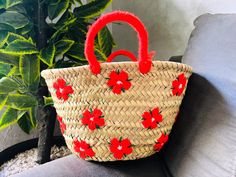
{"type": "Point", "coordinates": [18, 8]}
{"type": "Point", "coordinates": [3, 38]}
{"type": "Point", "coordinates": [7, 85]}
{"type": "Point", "coordinates": [77, 52]}
{"type": "Point", "coordinates": [20, 47]}
{"type": "Point", "coordinates": [13, 36]}
{"type": "Point", "coordinates": [57, 8]}
{"type": "Point", "coordinates": [78, 30]}
{"type": "Point", "coordinates": [47, 54]}
{"type": "Point", "coordinates": [105, 41]}
{"type": "Point", "coordinates": [62, 30]}
{"type": "Point", "coordinates": [100, 55]}
{"type": "Point", "coordinates": [66, 64]}
{"type": "Point", "coordinates": [48, 101]}
{"type": "Point", "coordinates": [10, 3]}
{"type": "Point", "coordinates": [2, 4]}
{"type": "Point", "coordinates": [14, 71]}
{"type": "Point", "coordinates": [3, 99]}
{"type": "Point", "coordinates": [26, 29]}
{"type": "Point", "coordinates": [15, 19]}
{"type": "Point", "coordinates": [4, 29]}
{"type": "Point", "coordinates": [25, 123]}
{"type": "Point", "coordinates": [9, 59]}
{"type": "Point", "coordinates": [30, 71]}
{"type": "Point", "coordinates": [5, 68]}
{"type": "Point", "coordinates": [63, 46]}
{"type": "Point", "coordinates": [23, 89]}
{"type": "Point", "coordinates": [65, 18]}
{"type": "Point", "coordinates": [91, 9]}
{"type": "Point", "coordinates": [10, 116]}
{"type": "Point", "coordinates": [8, 70]}
{"type": "Point", "coordinates": [79, 1]}
{"type": "Point", "coordinates": [20, 101]}
{"type": "Point", "coordinates": [33, 114]}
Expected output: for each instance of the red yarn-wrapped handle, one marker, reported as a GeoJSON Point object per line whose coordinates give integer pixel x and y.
{"type": "Point", "coordinates": [144, 58]}
{"type": "Point", "coordinates": [121, 52]}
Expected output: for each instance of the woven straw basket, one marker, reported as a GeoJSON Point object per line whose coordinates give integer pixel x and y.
{"type": "Point", "coordinates": [120, 110]}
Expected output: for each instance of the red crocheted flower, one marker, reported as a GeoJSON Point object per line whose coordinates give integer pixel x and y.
{"type": "Point", "coordinates": [83, 149]}
{"type": "Point", "coordinates": [160, 142]}
{"type": "Point", "coordinates": [179, 85]}
{"type": "Point", "coordinates": [63, 90]}
{"type": "Point", "coordinates": [120, 148]}
{"type": "Point", "coordinates": [119, 81]}
{"type": "Point", "coordinates": [93, 118]}
{"type": "Point", "coordinates": [62, 124]}
{"type": "Point", "coordinates": [151, 119]}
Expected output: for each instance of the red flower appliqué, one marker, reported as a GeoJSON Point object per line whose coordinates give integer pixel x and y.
{"type": "Point", "coordinates": [120, 148]}
{"type": "Point", "coordinates": [152, 119]}
{"type": "Point", "coordinates": [160, 142]}
{"type": "Point", "coordinates": [63, 90]}
{"type": "Point", "coordinates": [62, 124]}
{"type": "Point", "coordinates": [119, 81]}
{"type": "Point", "coordinates": [93, 119]}
{"type": "Point", "coordinates": [83, 149]}
{"type": "Point", "coordinates": [179, 85]}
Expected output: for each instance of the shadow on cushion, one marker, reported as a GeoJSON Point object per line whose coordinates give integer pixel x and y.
{"type": "Point", "coordinates": [72, 166]}
{"type": "Point", "coordinates": [203, 141]}
{"type": "Point", "coordinates": [197, 146]}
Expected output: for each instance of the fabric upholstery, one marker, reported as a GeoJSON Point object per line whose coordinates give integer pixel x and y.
{"type": "Point", "coordinates": [203, 141]}
{"type": "Point", "coordinates": [72, 166]}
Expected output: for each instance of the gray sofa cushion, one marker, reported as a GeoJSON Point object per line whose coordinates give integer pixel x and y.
{"type": "Point", "coordinates": [203, 141]}
{"type": "Point", "coordinates": [72, 166]}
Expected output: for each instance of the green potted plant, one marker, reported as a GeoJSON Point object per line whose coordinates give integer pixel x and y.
{"type": "Point", "coordinates": [36, 35]}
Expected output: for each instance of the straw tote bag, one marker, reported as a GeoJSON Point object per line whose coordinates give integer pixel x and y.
{"type": "Point", "coordinates": [119, 110]}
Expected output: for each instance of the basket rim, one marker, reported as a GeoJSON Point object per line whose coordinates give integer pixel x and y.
{"type": "Point", "coordinates": [104, 64]}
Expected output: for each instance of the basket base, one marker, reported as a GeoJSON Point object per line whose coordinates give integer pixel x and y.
{"type": "Point", "coordinates": [127, 158]}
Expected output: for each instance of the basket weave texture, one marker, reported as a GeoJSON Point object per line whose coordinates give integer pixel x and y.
{"type": "Point", "coordinates": [123, 115]}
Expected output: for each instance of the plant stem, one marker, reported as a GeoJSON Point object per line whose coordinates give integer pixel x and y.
{"type": "Point", "coordinates": [46, 116]}
{"type": "Point", "coordinates": [46, 128]}
{"type": "Point", "coordinates": [41, 35]}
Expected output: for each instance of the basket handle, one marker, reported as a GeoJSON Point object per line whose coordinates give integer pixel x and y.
{"type": "Point", "coordinates": [145, 58]}
{"type": "Point", "coordinates": [121, 52]}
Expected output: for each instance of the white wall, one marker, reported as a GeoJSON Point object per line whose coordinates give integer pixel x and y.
{"type": "Point", "coordinates": [13, 135]}
{"type": "Point", "coordinates": [169, 22]}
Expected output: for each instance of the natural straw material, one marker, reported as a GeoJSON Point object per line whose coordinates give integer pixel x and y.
{"type": "Point", "coordinates": [122, 112]}
{"type": "Point", "coordinates": [117, 111]}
